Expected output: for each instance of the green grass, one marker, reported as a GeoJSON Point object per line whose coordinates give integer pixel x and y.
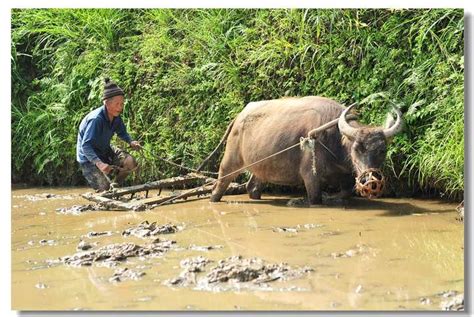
{"type": "Point", "coordinates": [187, 73]}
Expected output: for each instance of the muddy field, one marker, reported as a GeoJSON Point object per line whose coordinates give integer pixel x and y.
{"type": "Point", "coordinates": [387, 254]}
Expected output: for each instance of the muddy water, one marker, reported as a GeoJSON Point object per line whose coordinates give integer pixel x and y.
{"type": "Point", "coordinates": [389, 254]}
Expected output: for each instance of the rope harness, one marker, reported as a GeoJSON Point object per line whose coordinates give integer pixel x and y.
{"type": "Point", "coordinates": [309, 144]}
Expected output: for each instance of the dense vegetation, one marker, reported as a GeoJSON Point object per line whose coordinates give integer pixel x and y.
{"type": "Point", "coordinates": [187, 73]}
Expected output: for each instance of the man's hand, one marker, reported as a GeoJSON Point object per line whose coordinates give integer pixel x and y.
{"type": "Point", "coordinates": [135, 145]}
{"type": "Point", "coordinates": [104, 167]}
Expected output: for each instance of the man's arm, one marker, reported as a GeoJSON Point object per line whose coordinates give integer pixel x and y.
{"type": "Point", "coordinates": [122, 133]}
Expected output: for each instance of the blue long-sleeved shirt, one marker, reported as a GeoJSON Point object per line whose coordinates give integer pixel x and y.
{"type": "Point", "coordinates": [95, 133]}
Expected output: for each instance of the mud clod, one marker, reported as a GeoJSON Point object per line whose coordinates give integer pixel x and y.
{"type": "Point", "coordinates": [196, 264]}
{"type": "Point", "coordinates": [310, 226]}
{"type": "Point", "coordinates": [182, 280]}
{"type": "Point", "coordinates": [297, 228]}
{"type": "Point", "coordinates": [122, 274]}
{"type": "Point", "coordinates": [449, 293]}
{"type": "Point", "coordinates": [235, 273]}
{"type": "Point", "coordinates": [47, 242]}
{"type": "Point", "coordinates": [359, 249]}
{"type": "Point", "coordinates": [75, 210]}
{"type": "Point", "coordinates": [78, 209]}
{"type": "Point", "coordinates": [43, 196]}
{"type": "Point", "coordinates": [112, 254]}
{"type": "Point", "coordinates": [425, 301]}
{"type": "Point", "coordinates": [146, 229]}
{"type": "Point", "coordinates": [205, 247]}
{"type": "Point", "coordinates": [285, 229]}
{"type": "Point", "coordinates": [94, 234]}
{"type": "Point", "coordinates": [454, 304]}
{"type": "Point", "coordinates": [83, 246]}
{"type": "Point", "coordinates": [252, 273]}
{"type": "Point", "coordinates": [188, 275]}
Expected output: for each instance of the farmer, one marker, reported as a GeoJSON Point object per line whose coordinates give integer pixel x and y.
{"type": "Point", "coordinates": [97, 158]}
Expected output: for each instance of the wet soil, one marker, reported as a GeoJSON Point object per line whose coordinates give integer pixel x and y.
{"type": "Point", "coordinates": [387, 254]}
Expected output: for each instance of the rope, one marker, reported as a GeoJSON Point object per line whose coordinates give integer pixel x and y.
{"type": "Point", "coordinates": [222, 141]}
{"type": "Point", "coordinates": [180, 166]}
{"type": "Point", "coordinates": [225, 176]}
{"type": "Point", "coordinates": [186, 168]}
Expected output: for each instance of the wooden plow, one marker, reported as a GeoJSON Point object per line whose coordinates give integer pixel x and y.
{"type": "Point", "coordinates": [114, 199]}
{"type": "Point", "coordinates": [117, 199]}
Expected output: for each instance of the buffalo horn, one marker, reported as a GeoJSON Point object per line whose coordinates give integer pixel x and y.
{"type": "Point", "coordinates": [344, 127]}
{"type": "Point", "coordinates": [396, 127]}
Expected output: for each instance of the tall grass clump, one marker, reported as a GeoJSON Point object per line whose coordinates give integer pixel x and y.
{"type": "Point", "coordinates": [188, 73]}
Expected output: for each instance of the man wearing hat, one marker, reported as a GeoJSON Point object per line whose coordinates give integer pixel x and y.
{"type": "Point", "coordinates": [94, 153]}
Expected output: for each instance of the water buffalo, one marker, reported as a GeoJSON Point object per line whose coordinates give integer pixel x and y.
{"type": "Point", "coordinates": [341, 152]}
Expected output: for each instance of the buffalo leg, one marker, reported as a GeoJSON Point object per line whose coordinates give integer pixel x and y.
{"type": "Point", "coordinates": [254, 188]}
{"type": "Point", "coordinates": [347, 185]}
{"type": "Point", "coordinates": [221, 186]}
{"type": "Point", "coordinates": [229, 164]}
{"type": "Point", "coordinates": [313, 189]}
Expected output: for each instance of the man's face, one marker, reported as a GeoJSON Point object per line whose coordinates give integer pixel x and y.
{"type": "Point", "coordinates": [114, 105]}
